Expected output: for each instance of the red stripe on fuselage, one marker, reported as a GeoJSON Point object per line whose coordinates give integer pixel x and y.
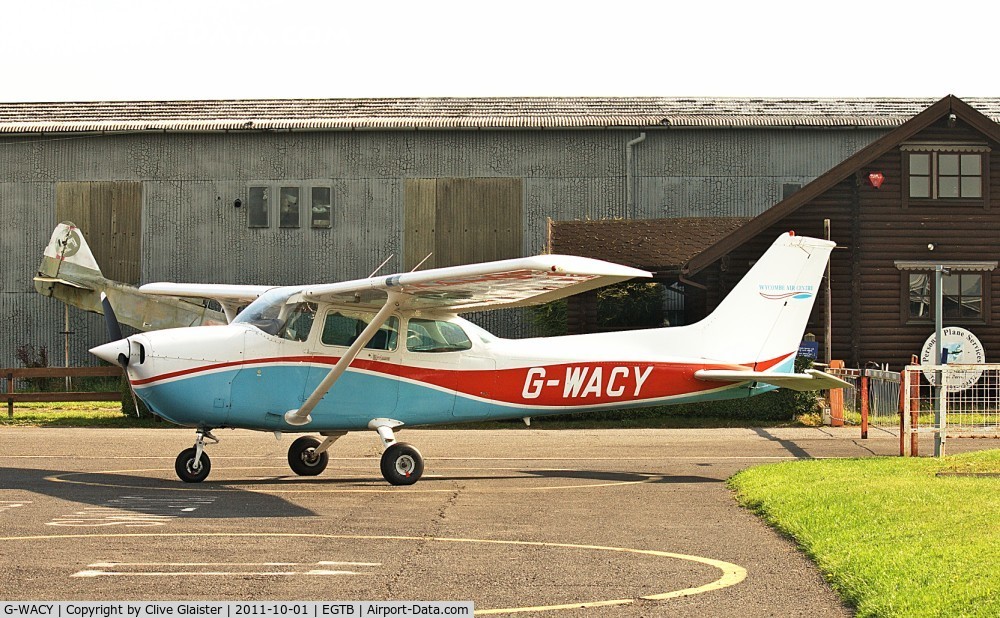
{"type": "Point", "coordinates": [580, 383]}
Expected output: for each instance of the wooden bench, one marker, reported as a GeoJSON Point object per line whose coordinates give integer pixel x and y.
{"type": "Point", "coordinates": [15, 374]}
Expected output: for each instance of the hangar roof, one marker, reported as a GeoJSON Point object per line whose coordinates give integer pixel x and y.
{"type": "Point", "coordinates": [466, 114]}
{"type": "Point", "coordinates": [662, 245]}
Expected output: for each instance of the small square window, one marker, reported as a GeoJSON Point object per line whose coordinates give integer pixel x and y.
{"type": "Point", "coordinates": [972, 186]}
{"type": "Point", "coordinates": [920, 186]}
{"type": "Point", "coordinates": [289, 212]}
{"type": "Point", "coordinates": [948, 164]}
{"type": "Point", "coordinates": [920, 164]}
{"type": "Point", "coordinates": [972, 165]}
{"type": "Point", "coordinates": [320, 214]}
{"type": "Point", "coordinates": [948, 186]}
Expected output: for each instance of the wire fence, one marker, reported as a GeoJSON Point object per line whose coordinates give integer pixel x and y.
{"type": "Point", "coordinates": [871, 400]}
{"type": "Point", "coordinates": [908, 403]}
{"type": "Point", "coordinates": [968, 404]}
{"type": "Point", "coordinates": [882, 399]}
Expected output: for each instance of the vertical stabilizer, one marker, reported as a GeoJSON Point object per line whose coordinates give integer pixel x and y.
{"type": "Point", "coordinates": [68, 259]}
{"type": "Point", "coordinates": [762, 320]}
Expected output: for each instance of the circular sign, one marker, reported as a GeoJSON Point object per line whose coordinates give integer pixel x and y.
{"type": "Point", "coordinates": [964, 348]}
{"type": "Point", "coordinates": [71, 244]}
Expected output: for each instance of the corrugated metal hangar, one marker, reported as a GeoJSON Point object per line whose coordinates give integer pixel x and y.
{"type": "Point", "coordinates": [286, 191]}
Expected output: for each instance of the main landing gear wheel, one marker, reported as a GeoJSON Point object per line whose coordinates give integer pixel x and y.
{"type": "Point", "coordinates": [190, 468]}
{"type": "Point", "coordinates": [303, 459]}
{"type": "Point", "coordinates": [402, 464]}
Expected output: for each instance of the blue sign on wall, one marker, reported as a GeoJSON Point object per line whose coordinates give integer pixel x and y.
{"type": "Point", "coordinates": [809, 349]}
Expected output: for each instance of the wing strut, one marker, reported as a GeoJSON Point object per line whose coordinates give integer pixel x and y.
{"type": "Point", "coordinates": [301, 416]}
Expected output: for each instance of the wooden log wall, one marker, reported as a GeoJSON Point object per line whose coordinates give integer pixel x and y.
{"type": "Point", "coordinates": [873, 230]}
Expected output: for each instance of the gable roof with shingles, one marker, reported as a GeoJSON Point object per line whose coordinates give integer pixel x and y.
{"type": "Point", "coordinates": [661, 245]}
{"type": "Point", "coordinates": [464, 113]}
{"type": "Point", "coordinates": [948, 105]}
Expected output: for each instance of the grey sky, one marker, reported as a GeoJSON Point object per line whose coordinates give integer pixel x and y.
{"type": "Point", "coordinates": [57, 50]}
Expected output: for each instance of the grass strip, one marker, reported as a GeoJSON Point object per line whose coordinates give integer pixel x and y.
{"type": "Point", "coordinates": [892, 536]}
{"type": "Point", "coordinates": [109, 414]}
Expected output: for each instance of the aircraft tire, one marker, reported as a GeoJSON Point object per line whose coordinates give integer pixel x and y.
{"type": "Point", "coordinates": [302, 458]}
{"type": "Point", "coordinates": [184, 466]}
{"type": "Point", "coordinates": [402, 464]}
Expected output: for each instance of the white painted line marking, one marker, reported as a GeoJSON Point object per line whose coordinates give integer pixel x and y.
{"type": "Point", "coordinates": [6, 505]}
{"type": "Point", "coordinates": [95, 573]}
{"type": "Point", "coordinates": [98, 569]}
{"type": "Point", "coordinates": [111, 565]}
{"type": "Point", "coordinates": [134, 511]}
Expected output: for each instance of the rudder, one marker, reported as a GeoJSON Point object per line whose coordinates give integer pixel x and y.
{"type": "Point", "coordinates": [763, 318]}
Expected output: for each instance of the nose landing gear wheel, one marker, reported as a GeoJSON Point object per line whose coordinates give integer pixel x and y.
{"type": "Point", "coordinates": [402, 464]}
{"type": "Point", "coordinates": [188, 470]}
{"type": "Point", "coordinates": [302, 457]}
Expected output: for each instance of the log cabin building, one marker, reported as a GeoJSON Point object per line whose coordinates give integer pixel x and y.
{"type": "Point", "coordinates": [925, 194]}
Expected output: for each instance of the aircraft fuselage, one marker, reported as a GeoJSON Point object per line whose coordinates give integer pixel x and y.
{"type": "Point", "coordinates": [240, 376]}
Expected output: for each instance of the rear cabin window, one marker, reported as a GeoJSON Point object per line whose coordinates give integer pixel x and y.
{"type": "Point", "coordinates": [342, 328]}
{"type": "Point", "coordinates": [435, 336]}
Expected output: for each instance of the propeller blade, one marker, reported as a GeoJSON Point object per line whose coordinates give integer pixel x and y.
{"type": "Point", "coordinates": [110, 319]}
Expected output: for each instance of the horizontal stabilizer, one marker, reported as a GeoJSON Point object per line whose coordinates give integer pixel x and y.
{"type": "Point", "coordinates": [72, 284]}
{"type": "Point", "coordinates": [811, 380]}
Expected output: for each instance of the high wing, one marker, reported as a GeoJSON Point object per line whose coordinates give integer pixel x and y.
{"type": "Point", "coordinates": [811, 380]}
{"type": "Point", "coordinates": [491, 285]}
{"type": "Point", "coordinates": [476, 287]}
{"type": "Point", "coordinates": [230, 296]}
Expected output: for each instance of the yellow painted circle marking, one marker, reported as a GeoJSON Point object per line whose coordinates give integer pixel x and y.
{"type": "Point", "coordinates": [247, 484]}
{"type": "Point", "coordinates": [732, 574]}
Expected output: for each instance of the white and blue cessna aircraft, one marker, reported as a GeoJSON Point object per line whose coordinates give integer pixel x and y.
{"type": "Point", "coordinates": [391, 351]}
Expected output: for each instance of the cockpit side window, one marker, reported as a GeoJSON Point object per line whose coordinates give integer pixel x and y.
{"type": "Point", "coordinates": [435, 336]}
{"type": "Point", "coordinates": [298, 321]}
{"type": "Point", "coordinates": [342, 328]}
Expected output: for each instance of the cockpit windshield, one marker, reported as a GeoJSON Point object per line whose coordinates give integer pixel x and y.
{"type": "Point", "coordinates": [267, 312]}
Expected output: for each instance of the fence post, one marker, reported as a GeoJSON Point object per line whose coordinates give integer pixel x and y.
{"type": "Point", "coordinates": [904, 410]}
{"type": "Point", "coordinates": [864, 406]}
{"type": "Point", "coordinates": [914, 413]}
{"type": "Point", "coordinates": [837, 399]}
{"type": "Point", "coordinates": [10, 393]}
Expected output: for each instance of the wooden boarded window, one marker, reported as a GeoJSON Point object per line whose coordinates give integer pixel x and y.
{"type": "Point", "coordinates": [109, 213]}
{"type": "Point", "coordinates": [462, 220]}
